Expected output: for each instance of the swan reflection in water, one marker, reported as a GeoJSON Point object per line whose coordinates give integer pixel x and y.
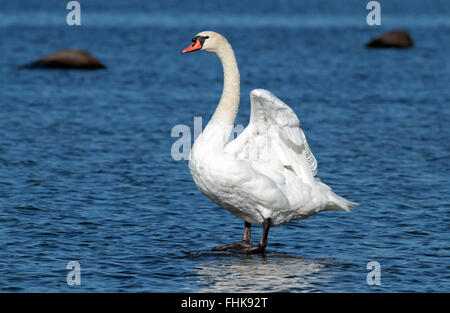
{"type": "Point", "coordinates": [263, 274]}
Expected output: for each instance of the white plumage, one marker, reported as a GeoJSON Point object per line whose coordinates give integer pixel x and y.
{"type": "Point", "coordinates": [268, 171]}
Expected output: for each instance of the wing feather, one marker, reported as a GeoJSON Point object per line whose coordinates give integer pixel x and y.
{"type": "Point", "coordinates": [272, 119]}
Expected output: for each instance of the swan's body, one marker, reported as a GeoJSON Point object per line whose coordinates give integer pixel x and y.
{"type": "Point", "coordinates": [266, 175]}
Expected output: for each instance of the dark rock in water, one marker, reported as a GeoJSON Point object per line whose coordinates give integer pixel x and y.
{"type": "Point", "coordinates": [68, 59]}
{"type": "Point", "coordinates": [392, 39]}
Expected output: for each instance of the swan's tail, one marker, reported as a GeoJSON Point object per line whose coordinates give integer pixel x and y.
{"type": "Point", "coordinates": [337, 202]}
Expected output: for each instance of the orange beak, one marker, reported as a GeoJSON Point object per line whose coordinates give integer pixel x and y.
{"type": "Point", "coordinates": [195, 46]}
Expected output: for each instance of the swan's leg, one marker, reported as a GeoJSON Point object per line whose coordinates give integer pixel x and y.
{"type": "Point", "coordinates": [245, 246]}
{"type": "Point", "coordinates": [247, 233]}
{"type": "Point", "coordinates": [263, 241]}
{"type": "Point", "coordinates": [265, 234]}
{"type": "Point", "coordinates": [245, 243]}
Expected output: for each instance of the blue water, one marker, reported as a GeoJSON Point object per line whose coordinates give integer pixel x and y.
{"type": "Point", "coordinates": [86, 171]}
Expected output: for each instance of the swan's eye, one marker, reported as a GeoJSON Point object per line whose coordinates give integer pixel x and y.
{"type": "Point", "coordinates": [200, 38]}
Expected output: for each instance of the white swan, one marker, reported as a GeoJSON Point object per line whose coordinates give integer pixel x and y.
{"type": "Point", "coordinates": [266, 175]}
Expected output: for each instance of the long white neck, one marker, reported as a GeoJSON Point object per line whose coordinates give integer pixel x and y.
{"type": "Point", "coordinates": [227, 108]}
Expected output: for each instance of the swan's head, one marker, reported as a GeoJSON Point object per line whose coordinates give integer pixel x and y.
{"type": "Point", "coordinates": [208, 41]}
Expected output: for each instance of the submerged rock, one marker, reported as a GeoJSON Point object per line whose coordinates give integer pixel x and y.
{"type": "Point", "coordinates": [392, 39]}
{"type": "Point", "coordinates": [68, 59]}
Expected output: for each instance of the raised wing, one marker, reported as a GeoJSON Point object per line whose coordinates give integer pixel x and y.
{"type": "Point", "coordinates": [274, 133]}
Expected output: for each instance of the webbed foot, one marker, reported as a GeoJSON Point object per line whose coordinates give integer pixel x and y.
{"type": "Point", "coordinates": [245, 246]}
